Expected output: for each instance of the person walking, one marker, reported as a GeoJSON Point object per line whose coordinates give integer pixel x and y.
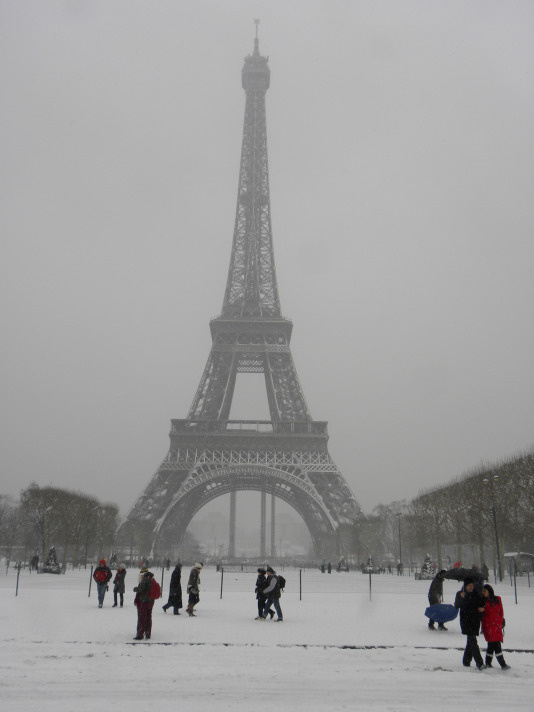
{"type": "Point", "coordinates": [175, 591]}
{"type": "Point", "coordinates": [102, 575]}
{"type": "Point", "coordinates": [118, 585]}
{"type": "Point", "coordinates": [193, 588]}
{"type": "Point", "coordinates": [272, 593]}
{"type": "Point", "coordinates": [261, 585]}
{"type": "Point", "coordinates": [471, 605]}
{"type": "Point", "coordinates": [144, 604]}
{"type": "Point", "coordinates": [493, 627]}
{"type": "Point", "coordinates": [435, 595]}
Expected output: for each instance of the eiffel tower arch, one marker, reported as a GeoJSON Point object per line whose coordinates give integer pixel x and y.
{"type": "Point", "coordinates": [286, 456]}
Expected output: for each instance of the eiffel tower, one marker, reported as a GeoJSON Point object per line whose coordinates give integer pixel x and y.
{"type": "Point", "coordinates": [286, 456]}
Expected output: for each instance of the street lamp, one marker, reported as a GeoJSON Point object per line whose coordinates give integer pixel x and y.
{"type": "Point", "coordinates": [399, 515]}
{"type": "Point", "coordinates": [489, 482]}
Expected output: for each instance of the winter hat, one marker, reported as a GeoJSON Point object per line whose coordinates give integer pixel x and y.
{"type": "Point", "coordinates": [261, 571]}
{"type": "Point", "coordinates": [199, 565]}
{"type": "Point", "coordinates": [122, 566]}
{"type": "Point", "coordinates": [467, 581]}
{"type": "Point", "coordinates": [270, 570]}
{"type": "Point", "coordinates": [144, 570]}
{"type": "Point", "coordinates": [102, 562]}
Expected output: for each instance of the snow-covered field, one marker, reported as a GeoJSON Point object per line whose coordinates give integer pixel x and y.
{"type": "Point", "coordinates": [335, 650]}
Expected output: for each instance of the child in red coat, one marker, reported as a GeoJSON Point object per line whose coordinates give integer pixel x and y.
{"type": "Point", "coordinates": [492, 626]}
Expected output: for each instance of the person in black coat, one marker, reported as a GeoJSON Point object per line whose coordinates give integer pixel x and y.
{"type": "Point", "coordinates": [471, 605]}
{"type": "Point", "coordinates": [119, 585]}
{"type": "Point", "coordinates": [261, 585]}
{"type": "Point", "coordinates": [175, 591]}
{"type": "Point", "coordinates": [435, 595]}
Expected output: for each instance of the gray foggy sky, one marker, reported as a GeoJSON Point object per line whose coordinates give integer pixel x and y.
{"type": "Point", "coordinates": [402, 183]}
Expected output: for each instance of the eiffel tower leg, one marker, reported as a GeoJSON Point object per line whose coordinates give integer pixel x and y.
{"type": "Point", "coordinates": [231, 543]}
{"type": "Point", "coordinates": [273, 527]}
{"type": "Point", "coordinates": [263, 525]}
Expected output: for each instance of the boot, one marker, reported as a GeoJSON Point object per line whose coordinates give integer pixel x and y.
{"type": "Point", "coordinates": [442, 627]}
{"type": "Point", "coordinates": [431, 626]}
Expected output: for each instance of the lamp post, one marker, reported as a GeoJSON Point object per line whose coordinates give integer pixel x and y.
{"type": "Point", "coordinates": [399, 515]}
{"type": "Point", "coordinates": [489, 482]}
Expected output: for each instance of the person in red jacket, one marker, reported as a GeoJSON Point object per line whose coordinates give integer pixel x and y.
{"type": "Point", "coordinates": [492, 626]}
{"type": "Point", "coordinates": [102, 575]}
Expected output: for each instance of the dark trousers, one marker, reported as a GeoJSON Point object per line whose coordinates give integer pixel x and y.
{"type": "Point", "coordinates": [432, 602]}
{"type": "Point", "coordinates": [272, 602]}
{"type": "Point", "coordinates": [472, 651]}
{"type": "Point", "coordinates": [174, 608]}
{"type": "Point", "coordinates": [115, 597]}
{"type": "Point", "coordinates": [495, 648]}
{"type": "Point", "coordinates": [144, 618]}
{"type": "Point", "coordinates": [261, 606]}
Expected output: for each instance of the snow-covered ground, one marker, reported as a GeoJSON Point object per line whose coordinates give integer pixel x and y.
{"type": "Point", "coordinates": [335, 650]}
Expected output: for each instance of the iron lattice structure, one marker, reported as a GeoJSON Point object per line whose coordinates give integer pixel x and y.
{"type": "Point", "coordinates": [209, 454]}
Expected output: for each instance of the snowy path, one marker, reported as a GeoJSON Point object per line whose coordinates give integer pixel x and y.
{"type": "Point", "coordinates": [335, 650]}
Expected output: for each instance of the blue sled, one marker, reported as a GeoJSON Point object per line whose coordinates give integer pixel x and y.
{"type": "Point", "coordinates": [441, 612]}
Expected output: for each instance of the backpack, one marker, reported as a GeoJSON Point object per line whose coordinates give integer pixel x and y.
{"type": "Point", "coordinates": [155, 590]}
{"type": "Point", "coordinates": [281, 582]}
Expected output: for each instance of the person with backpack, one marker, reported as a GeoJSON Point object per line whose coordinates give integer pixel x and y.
{"type": "Point", "coordinates": [102, 574]}
{"type": "Point", "coordinates": [118, 585]}
{"type": "Point", "coordinates": [147, 592]}
{"type": "Point", "coordinates": [272, 593]}
{"type": "Point", "coordinates": [493, 627]}
{"type": "Point", "coordinates": [193, 588]}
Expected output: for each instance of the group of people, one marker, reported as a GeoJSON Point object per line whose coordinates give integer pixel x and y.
{"type": "Point", "coordinates": [145, 596]}
{"type": "Point", "coordinates": [479, 608]}
{"type": "Point", "coordinates": [268, 590]}
{"type": "Point", "coordinates": [147, 592]}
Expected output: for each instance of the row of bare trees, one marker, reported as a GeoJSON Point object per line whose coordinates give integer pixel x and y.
{"type": "Point", "coordinates": [77, 524]}
{"type": "Point", "coordinates": [459, 521]}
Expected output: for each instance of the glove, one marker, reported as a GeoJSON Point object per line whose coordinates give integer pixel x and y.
{"type": "Point", "coordinates": [107, 588]}
{"type": "Point", "coordinates": [503, 623]}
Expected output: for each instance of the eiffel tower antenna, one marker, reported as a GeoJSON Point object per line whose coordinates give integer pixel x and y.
{"type": "Point", "coordinates": [286, 456]}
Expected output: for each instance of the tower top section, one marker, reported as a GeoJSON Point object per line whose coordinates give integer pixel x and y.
{"type": "Point", "coordinates": [256, 74]}
{"type": "Point", "coordinates": [251, 289]}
